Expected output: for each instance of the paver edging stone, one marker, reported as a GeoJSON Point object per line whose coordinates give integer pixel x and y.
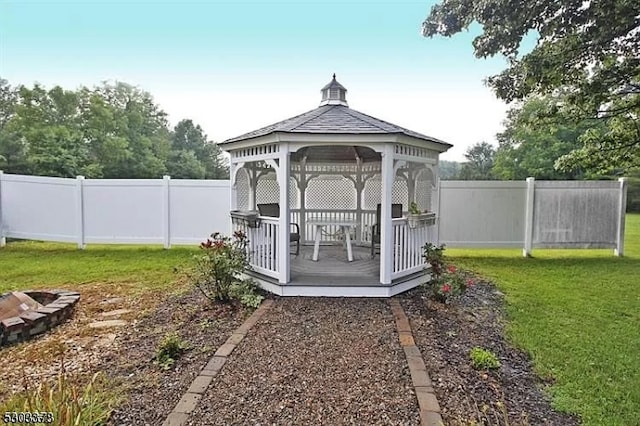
{"type": "Point", "coordinates": [423, 388]}
{"type": "Point", "coordinates": [180, 414]}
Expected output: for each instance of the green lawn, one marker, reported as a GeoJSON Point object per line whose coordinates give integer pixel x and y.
{"type": "Point", "coordinates": [27, 264]}
{"type": "Point", "coordinates": [577, 313]}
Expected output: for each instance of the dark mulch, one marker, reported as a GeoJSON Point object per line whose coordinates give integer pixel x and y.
{"type": "Point", "coordinates": [151, 392]}
{"type": "Point", "coordinates": [312, 361]}
{"type": "Point", "coordinates": [445, 335]}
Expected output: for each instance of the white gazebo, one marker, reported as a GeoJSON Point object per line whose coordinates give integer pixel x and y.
{"type": "Point", "coordinates": [343, 171]}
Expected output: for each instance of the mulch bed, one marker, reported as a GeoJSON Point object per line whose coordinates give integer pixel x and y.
{"type": "Point", "coordinates": [446, 333]}
{"type": "Point", "coordinates": [315, 361]}
{"type": "Point", "coordinates": [151, 391]}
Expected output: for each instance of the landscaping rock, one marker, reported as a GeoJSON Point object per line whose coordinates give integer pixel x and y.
{"type": "Point", "coordinates": [108, 323]}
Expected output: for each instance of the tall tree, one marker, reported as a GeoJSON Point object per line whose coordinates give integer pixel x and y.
{"type": "Point", "coordinates": [12, 149]}
{"type": "Point", "coordinates": [189, 137]}
{"type": "Point", "coordinates": [480, 158]}
{"type": "Point", "coordinates": [126, 118]}
{"type": "Point", "coordinates": [588, 48]}
{"type": "Point", "coordinates": [448, 170]}
{"type": "Point", "coordinates": [535, 137]}
{"type": "Point", "coordinates": [44, 135]}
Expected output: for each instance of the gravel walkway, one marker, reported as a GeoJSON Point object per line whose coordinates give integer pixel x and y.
{"type": "Point", "coordinates": [315, 361]}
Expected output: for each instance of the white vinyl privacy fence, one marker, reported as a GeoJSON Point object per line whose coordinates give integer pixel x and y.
{"type": "Point", "coordinates": [544, 214]}
{"type": "Point", "coordinates": [131, 211]}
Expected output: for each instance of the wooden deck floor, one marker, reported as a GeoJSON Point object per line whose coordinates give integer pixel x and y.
{"type": "Point", "coordinates": [332, 267]}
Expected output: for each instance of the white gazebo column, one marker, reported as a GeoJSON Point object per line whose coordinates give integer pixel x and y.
{"type": "Point", "coordinates": [283, 173]}
{"type": "Point", "coordinates": [253, 185]}
{"type": "Point", "coordinates": [234, 168]}
{"type": "Point", "coordinates": [302, 192]}
{"type": "Point", "coordinates": [386, 231]}
{"type": "Point", "coordinates": [359, 185]}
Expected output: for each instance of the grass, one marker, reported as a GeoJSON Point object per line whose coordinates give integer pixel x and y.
{"type": "Point", "coordinates": [31, 264]}
{"type": "Point", "coordinates": [577, 313]}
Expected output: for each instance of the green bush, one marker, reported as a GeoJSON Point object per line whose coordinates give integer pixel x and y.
{"type": "Point", "coordinates": [446, 281]}
{"type": "Point", "coordinates": [169, 350]}
{"type": "Point", "coordinates": [218, 270]}
{"type": "Point", "coordinates": [483, 359]}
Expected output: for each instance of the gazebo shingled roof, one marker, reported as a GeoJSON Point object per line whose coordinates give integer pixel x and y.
{"type": "Point", "coordinates": [335, 119]}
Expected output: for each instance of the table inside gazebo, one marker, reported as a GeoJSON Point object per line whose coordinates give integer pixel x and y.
{"type": "Point", "coordinates": [345, 227]}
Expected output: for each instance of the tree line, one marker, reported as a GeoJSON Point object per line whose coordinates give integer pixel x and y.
{"type": "Point", "coordinates": [114, 130]}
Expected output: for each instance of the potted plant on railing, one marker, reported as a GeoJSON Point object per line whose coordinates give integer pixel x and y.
{"type": "Point", "coordinates": [416, 217]}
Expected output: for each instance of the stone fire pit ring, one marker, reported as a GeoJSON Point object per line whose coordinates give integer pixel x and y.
{"type": "Point", "coordinates": [57, 307]}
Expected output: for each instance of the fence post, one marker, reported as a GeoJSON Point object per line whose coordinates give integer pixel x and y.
{"type": "Point", "coordinates": [528, 218]}
{"type": "Point", "coordinates": [622, 208]}
{"type": "Point", "coordinates": [3, 239]}
{"type": "Point", "coordinates": [166, 215]}
{"type": "Point", "coordinates": [80, 212]}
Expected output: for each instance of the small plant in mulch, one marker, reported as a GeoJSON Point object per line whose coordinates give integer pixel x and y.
{"type": "Point", "coordinates": [219, 268]}
{"type": "Point", "coordinates": [447, 282]}
{"type": "Point", "coordinates": [169, 350]}
{"type": "Point", "coordinates": [483, 359]}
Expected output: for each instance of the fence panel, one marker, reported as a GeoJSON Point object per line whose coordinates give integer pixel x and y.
{"type": "Point", "coordinates": [198, 208]}
{"type": "Point", "coordinates": [575, 214]}
{"type": "Point", "coordinates": [123, 211]}
{"type": "Point", "coordinates": [482, 213]}
{"type": "Point", "coordinates": [39, 208]}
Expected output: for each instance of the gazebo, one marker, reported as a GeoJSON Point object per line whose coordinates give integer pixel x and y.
{"type": "Point", "coordinates": [349, 181]}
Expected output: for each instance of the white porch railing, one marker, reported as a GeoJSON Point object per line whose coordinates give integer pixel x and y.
{"type": "Point", "coordinates": [407, 253]}
{"type": "Point", "coordinates": [262, 247]}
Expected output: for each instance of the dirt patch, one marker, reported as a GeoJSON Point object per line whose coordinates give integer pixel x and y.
{"type": "Point", "coordinates": [151, 391]}
{"type": "Point", "coordinates": [124, 352]}
{"type": "Point", "coordinates": [446, 333]}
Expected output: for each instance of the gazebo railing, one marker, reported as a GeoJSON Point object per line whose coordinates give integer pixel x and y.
{"type": "Point", "coordinates": [262, 246]}
{"type": "Point", "coordinates": [367, 219]}
{"type": "Point", "coordinates": [407, 253]}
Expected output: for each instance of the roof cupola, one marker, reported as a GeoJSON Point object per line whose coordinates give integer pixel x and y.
{"type": "Point", "coordinates": [334, 93]}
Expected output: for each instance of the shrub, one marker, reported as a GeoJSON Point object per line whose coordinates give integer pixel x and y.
{"type": "Point", "coordinates": [69, 403]}
{"type": "Point", "coordinates": [169, 350]}
{"type": "Point", "coordinates": [446, 281]}
{"type": "Point", "coordinates": [434, 256]}
{"type": "Point", "coordinates": [218, 270]}
{"type": "Point", "coordinates": [483, 359]}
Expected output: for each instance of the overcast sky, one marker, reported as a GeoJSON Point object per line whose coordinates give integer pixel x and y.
{"type": "Point", "coordinates": [235, 66]}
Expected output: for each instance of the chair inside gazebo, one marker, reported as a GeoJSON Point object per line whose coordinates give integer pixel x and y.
{"type": "Point", "coordinates": [333, 186]}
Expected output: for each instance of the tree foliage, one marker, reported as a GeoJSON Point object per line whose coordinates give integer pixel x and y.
{"type": "Point", "coordinates": [534, 139]}
{"type": "Point", "coordinates": [480, 158]}
{"type": "Point", "coordinates": [111, 131]}
{"type": "Point", "coordinates": [587, 49]}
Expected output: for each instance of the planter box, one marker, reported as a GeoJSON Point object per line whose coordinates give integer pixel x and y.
{"type": "Point", "coordinates": [250, 218]}
{"type": "Point", "coordinates": [420, 220]}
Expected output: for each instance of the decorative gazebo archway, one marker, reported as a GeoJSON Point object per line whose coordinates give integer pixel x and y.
{"type": "Point", "coordinates": [337, 165]}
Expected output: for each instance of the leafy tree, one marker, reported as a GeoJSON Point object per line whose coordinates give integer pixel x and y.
{"type": "Point", "coordinates": [189, 137]}
{"type": "Point", "coordinates": [126, 119]}
{"type": "Point", "coordinates": [534, 139]}
{"type": "Point", "coordinates": [480, 162]}
{"type": "Point", "coordinates": [12, 147]}
{"type": "Point", "coordinates": [43, 137]}
{"type": "Point", "coordinates": [114, 130]}
{"type": "Point", "coordinates": [449, 170]}
{"type": "Point", "coordinates": [588, 49]}
{"type": "Point", "coordinates": [185, 165]}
